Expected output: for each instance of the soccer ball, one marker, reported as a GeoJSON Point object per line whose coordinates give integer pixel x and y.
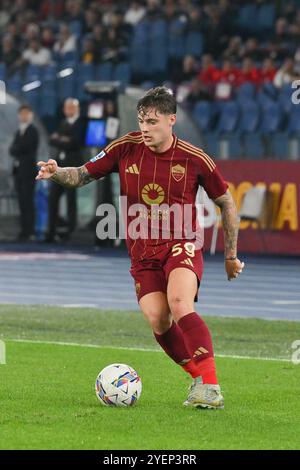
{"type": "Point", "coordinates": [118, 385]}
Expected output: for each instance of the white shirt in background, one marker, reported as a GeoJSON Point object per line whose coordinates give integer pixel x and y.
{"type": "Point", "coordinates": [41, 57]}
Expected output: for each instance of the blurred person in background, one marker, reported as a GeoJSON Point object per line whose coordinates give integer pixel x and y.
{"type": "Point", "coordinates": [35, 54]}
{"type": "Point", "coordinates": [24, 151]}
{"type": "Point", "coordinates": [248, 73]}
{"type": "Point", "coordinates": [9, 53]}
{"type": "Point", "coordinates": [67, 142]}
{"type": "Point", "coordinates": [66, 41]}
{"type": "Point", "coordinates": [187, 72]}
{"type": "Point", "coordinates": [135, 13]}
{"type": "Point", "coordinates": [286, 74]}
{"type": "Point", "coordinates": [267, 71]}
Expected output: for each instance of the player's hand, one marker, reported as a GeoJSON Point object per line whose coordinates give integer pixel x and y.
{"type": "Point", "coordinates": [47, 169]}
{"type": "Point", "coordinates": [233, 268]}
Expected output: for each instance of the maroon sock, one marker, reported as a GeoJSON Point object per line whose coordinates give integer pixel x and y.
{"type": "Point", "coordinates": [173, 344]}
{"type": "Point", "coordinates": [196, 336]}
{"type": "Point", "coordinates": [199, 344]}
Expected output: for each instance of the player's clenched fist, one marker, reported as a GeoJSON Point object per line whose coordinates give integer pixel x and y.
{"type": "Point", "coordinates": [233, 268]}
{"type": "Point", "coordinates": [47, 169]}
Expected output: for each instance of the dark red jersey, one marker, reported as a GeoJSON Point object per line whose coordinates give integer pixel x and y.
{"type": "Point", "coordinates": [157, 181]}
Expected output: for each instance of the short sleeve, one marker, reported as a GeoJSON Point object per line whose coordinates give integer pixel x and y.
{"type": "Point", "coordinates": [213, 183]}
{"type": "Point", "coordinates": [107, 161]}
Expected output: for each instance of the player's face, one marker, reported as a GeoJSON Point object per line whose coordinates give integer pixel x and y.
{"type": "Point", "coordinates": [156, 128]}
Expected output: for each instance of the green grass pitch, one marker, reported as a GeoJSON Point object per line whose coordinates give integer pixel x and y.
{"type": "Point", "coordinates": [47, 390]}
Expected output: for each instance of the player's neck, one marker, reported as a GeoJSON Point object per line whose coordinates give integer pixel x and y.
{"type": "Point", "coordinates": [163, 146]}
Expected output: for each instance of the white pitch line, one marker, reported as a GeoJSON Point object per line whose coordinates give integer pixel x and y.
{"type": "Point", "coordinates": [122, 348]}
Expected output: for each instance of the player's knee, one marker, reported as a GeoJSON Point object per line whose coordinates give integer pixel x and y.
{"type": "Point", "coordinates": [159, 322]}
{"type": "Point", "coordinates": [179, 306]}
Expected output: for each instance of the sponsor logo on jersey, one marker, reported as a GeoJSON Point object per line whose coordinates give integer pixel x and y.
{"type": "Point", "coordinates": [152, 193]}
{"type": "Point", "coordinates": [133, 169]}
{"type": "Point", "coordinates": [187, 261]}
{"type": "Point", "coordinates": [200, 351]}
{"type": "Point", "coordinates": [98, 157]}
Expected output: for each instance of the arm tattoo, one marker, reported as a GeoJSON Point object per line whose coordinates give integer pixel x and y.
{"type": "Point", "coordinates": [72, 177]}
{"type": "Point", "coordinates": [230, 222]}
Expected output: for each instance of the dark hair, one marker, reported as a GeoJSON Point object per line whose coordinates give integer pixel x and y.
{"type": "Point", "coordinates": [160, 98]}
{"type": "Point", "coordinates": [25, 106]}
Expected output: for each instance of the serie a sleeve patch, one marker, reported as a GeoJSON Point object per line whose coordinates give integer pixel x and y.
{"type": "Point", "coordinates": [98, 157]}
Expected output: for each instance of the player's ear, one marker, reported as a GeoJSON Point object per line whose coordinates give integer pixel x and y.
{"type": "Point", "coordinates": [172, 119]}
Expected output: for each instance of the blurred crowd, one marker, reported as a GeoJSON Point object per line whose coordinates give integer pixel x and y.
{"type": "Point", "coordinates": [41, 32]}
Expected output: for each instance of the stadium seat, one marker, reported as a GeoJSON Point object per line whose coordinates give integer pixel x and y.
{"type": "Point", "coordinates": [48, 105]}
{"type": "Point", "coordinates": [66, 87]}
{"type": "Point", "coordinates": [49, 86]}
{"type": "Point", "coordinates": [270, 90]}
{"type": "Point", "coordinates": [158, 62]}
{"type": "Point", "coordinates": [263, 99]}
{"type": "Point", "coordinates": [139, 60]}
{"type": "Point", "coordinates": [158, 41]}
{"type": "Point", "coordinates": [176, 47]}
{"type": "Point", "coordinates": [85, 72]}
{"type": "Point", "coordinates": [158, 29]}
{"type": "Point", "coordinates": [230, 146]}
{"type": "Point", "coordinates": [265, 18]}
{"type": "Point", "coordinates": [176, 38]}
{"type": "Point", "coordinates": [75, 28]}
{"type": "Point", "coordinates": [211, 144]}
{"type": "Point", "coordinates": [48, 109]}
{"type": "Point", "coordinates": [281, 148]}
{"type": "Point", "coordinates": [33, 72]}
{"type": "Point", "coordinates": [178, 26]}
{"type": "Point", "coordinates": [14, 84]}
{"type": "Point", "coordinates": [71, 56]}
{"type": "Point", "coordinates": [122, 73]}
{"type": "Point", "coordinates": [247, 17]}
{"type": "Point", "coordinates": [252, 146]}
{"type": "Point", "coordinates": [203, 115]}
{"type": "Point", "coordinates": [141, 32]}
{"type": "Point", "coordinates": [294, 120]}
{"type": "Point", "coordinates": [104, 71]}
{"type": "Point", "coordinates": [224, 147]}
{"type": "Point", "coordinates": [285, 98]}
{"type": "Point", "coordinates": [249, 116]}
{"type": "Point", "coordinates": [49, 72]}
{"type": "Point", "coordinates": [272, 118]}
{"type": "Point", "coordinates": [229, 114]}
{"type": "Point", "coordinates": [194, 44]}
{"type": "Point", "coordinates": [246, 91]}
{"type": "Point", "coordinates": [32, 97]}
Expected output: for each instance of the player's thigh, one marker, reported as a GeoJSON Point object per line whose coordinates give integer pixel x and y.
{"type": "Point", "coordinates": [156, 310]}
{"type": "Point", "coordinates": [181, 291]}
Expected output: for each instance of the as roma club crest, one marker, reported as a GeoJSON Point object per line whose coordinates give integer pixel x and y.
{"type": "Point", "coordinates": [137, 288]}
{"type": "Point", "coordinates": [178, 172]}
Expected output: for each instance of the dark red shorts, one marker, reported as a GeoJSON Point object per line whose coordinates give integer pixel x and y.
{"type": "Point", "coordinates": [151, 275]}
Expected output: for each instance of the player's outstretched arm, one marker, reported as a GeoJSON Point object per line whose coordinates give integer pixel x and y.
{"type": "Point", "coordinates": [233, 265]}
{"type": "Point", "coordinates": [70, 177]}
